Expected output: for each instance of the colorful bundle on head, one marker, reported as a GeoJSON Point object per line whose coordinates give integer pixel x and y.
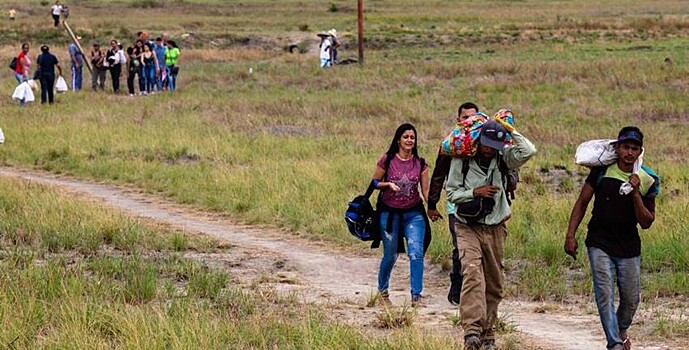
{"type": "Point", "coordinates": [463, 139]}
{"type": "Point", "coordinates": [506, 118]}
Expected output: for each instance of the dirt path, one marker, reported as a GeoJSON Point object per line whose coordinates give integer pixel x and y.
{"type": "Point", "coordinates": [322, 274]}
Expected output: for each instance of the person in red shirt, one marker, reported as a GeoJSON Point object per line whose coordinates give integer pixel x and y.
{"type": "Point", "coordinates": [23, 68]}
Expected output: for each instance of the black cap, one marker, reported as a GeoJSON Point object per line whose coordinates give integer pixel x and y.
{"type": "Point", "coordinates": [630, 133]}
{"type": "Point", "coordinates": [493, 135]}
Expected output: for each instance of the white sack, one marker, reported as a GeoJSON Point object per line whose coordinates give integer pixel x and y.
{"type": "Point", "coordinates": [596, 153]}
{"type": "Point", "coordinates": [61, 84]}
{"type": "Point", "coordinates": [23, 92]}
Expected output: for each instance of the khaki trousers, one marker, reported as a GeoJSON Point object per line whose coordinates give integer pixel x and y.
{"type": "Point", "coordinates": [481, 249]}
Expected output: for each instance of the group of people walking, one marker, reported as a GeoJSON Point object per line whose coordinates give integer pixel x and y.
{"type": "Point", "coordinates": [478, 209]}
{"type": "Point", "coordinates": [152, 64]}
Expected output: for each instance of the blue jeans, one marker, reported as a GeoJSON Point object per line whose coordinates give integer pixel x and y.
{"type": "Point", "coordinates": [159, 80]}
{"type": "Point", "coordinates": [325, 63]}
{"type": "Point", "coordinates": [604, 268]}
{"type": "Point", "coordinates": [171, 79]}
{"type": "Point", "coordinates": [150, 76]}
{"type": "Point", "coordinates": [77, 77]}
{"type": "Point", "coordinates": [414, 227]}
{"type": "Point", "coordinates": [20, 79]}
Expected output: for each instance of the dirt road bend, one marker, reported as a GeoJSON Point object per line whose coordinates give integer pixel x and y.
{"type": "Point", "coordinates": [327, 275]}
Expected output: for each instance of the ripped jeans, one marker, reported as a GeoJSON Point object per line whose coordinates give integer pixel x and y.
{"type": "Point", "coordinates": [414, 229]}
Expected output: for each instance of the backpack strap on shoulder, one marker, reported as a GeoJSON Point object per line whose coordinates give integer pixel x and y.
{"type": "Point", "coordinates": [465, 169]}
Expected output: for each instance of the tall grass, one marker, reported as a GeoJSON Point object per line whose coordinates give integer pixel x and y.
{"type": "Point", "coordinates": [290, 143]}
{"type": "Point", "coordinates": [87, 295]}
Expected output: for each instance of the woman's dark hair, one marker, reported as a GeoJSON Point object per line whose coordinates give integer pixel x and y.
{"type": "Point", "coordinates": [150, 47]}
{"type": "Point", "coordinates": [173, 44]}
{"type": "Point", "coordinates": [395, 144]}
{"type": "Point", "coordinates": [25, 45]}
{"type": "Point", "coordinates": [139, 41]}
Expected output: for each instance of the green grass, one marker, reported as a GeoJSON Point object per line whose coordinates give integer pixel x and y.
{"type": "Point", "coordinates": [78, 294]}
{"type": "Point", "coordinates": [289, 144]}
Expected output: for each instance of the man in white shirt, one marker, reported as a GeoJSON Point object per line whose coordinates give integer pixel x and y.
{"type": "Point", "coordinates": [325, 46]}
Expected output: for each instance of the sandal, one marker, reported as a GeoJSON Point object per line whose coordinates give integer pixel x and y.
{"type": "Point", "coordinates": [626, 343]}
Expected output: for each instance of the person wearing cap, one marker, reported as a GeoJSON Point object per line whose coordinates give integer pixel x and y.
{"type": "Point", "coordinates": [613, 243]}
{"type": "Point", "coordinates": [325, 49]}
{"type": "Point", "coordinates": [99, 67]}
{"type": "Point", "coordinates": [46, 65]}
{"type": "Point", "coordinates": [334, 45]}
{"type": "Point", "coordinates": [76, 60]}
{"type": "Point", "coordinates": [438, 179]}
{"type": "Point", "coordinates": [481, 213]}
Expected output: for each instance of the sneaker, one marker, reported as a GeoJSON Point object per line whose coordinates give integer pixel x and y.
{"type": "Point", "coordinates": [417, 301]}
{"type": "Point", "coordinates": [455, 288]}
{"type": "Point", "coordinates": [617, 347]}
{"type": "Point", "coordinates": [489, 344]}
{"type": "Point", "coordinates": [384, 298]}
{"type": "Point", "coordinates": [472, 342]}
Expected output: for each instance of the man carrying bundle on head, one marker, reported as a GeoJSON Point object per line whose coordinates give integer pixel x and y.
{"type": "Point", "coordinates": [477, 186]}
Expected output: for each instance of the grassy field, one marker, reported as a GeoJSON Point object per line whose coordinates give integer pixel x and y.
{"type": "Point", "coordinates": [74, 275]}
{"type": "Point", "coordinates": [289, 144]}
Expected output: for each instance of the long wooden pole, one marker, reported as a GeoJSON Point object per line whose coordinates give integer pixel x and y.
{"type": "Point", "coordinates": [74, 39]}
{"type": "Point", "coordinates": [360, 15]}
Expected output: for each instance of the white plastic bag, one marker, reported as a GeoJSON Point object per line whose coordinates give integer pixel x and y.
{"type": "Point", "coordinates": [2, 137]}
{"type": "Point", "coordinates": [23, 92]}
{"type": "Point", "coordinates": [596, 153]}
{"type": "Point", "coordinates": [61, 84]}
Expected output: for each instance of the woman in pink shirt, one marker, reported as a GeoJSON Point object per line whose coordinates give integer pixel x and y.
{"type": "Point", "coordinates": [402, 177]}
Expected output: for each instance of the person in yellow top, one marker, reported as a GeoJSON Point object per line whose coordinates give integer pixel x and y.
{"type": "Point", "coordinates": [172, 69]}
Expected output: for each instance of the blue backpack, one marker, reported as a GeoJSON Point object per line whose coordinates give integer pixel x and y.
{"type": "Point", "coordinates": [361, 218]}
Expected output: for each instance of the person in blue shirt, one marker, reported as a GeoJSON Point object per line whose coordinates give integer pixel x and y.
{"type": "Point", "coordinates": [159, 49]}
{"type": "Point", "coordinates": [76, 60]}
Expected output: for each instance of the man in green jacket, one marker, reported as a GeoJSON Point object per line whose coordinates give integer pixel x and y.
{"type": "Point", "coordinates": [481, 233]}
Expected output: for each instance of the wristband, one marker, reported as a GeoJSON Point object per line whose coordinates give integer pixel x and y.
{"type": "Point", "coordinates": [375, 183]}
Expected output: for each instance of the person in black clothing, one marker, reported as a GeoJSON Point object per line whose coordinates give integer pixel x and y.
{"type": "Point", "coordinates": [114, 58]}
{"type": "Point", "coordinates": [442, 168]}
{"type": "Point", "coordinates": [46, 66]}
{"type": "Point", "coordinates": [624, 198]}
{"type": "Point", "coordinates": [135, 66]}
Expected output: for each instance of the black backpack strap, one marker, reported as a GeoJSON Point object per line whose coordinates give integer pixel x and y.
{"type": "Point", "coordinates": [504, 174]}
{"type": "Point", "coordinates": [598, 173]}
{"type": "Point", "coordinates": [370, 189]}
{"type": "Point", "coordinates": [465, 169]}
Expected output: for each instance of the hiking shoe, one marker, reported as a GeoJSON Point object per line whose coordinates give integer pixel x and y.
{"type": "Point", "coordinates": [455, 288]}
{"type": "Point", "coordinates": [472, 342]}
{"type": "Point", "coordinates": [489, 344]}
{"type": "Point", "coordinates": [417, 301]}
{"type": "Point", "coordinates": [384, 298]}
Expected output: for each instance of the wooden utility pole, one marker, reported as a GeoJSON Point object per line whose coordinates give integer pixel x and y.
{"type": "Point", "coordinates": [74, 39]}
{"type": "Point", "coordinates": [360, 15]}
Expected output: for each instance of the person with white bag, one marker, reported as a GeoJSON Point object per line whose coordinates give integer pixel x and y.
{"type": "Point", "coordinates": [46, 65]}
{"type": "Point", "coordinates": [625, 195]}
